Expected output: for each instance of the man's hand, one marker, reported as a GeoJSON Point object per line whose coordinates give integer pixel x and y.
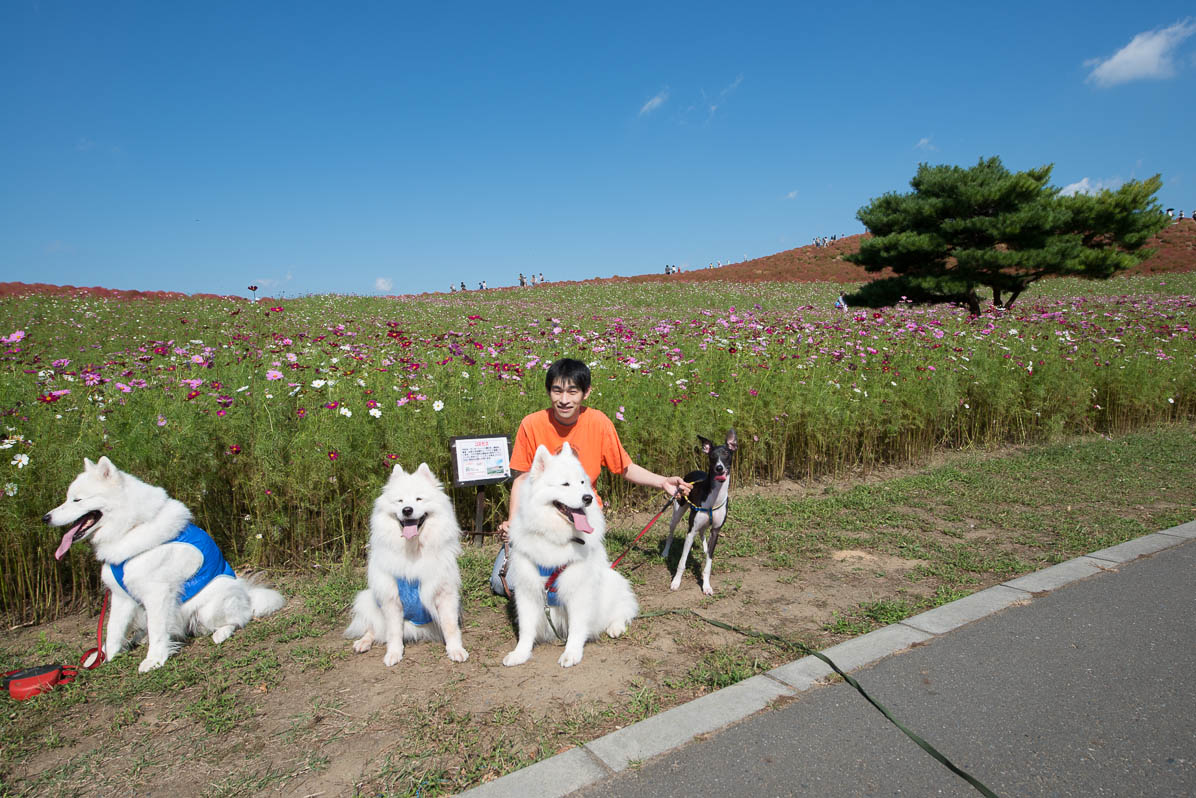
{"type": "Point", "coordinates": [673, 485]}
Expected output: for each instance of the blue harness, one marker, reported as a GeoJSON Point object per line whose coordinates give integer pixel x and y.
{"type": "Point", "coordinates": [551, 574]}
{"type": "Point", "coordinates": [414, 610]}
{"type": "Point", "coordinates": [213, 564]}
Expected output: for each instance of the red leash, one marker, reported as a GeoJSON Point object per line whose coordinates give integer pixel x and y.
{"type": "Point", "coordinates": [641, 534]}
{"type": "Point", "coordinates": [25, 683]}
{"type": "Point", "coordinates": [98, 651]}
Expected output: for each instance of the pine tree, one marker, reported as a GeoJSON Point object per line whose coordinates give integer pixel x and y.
{"type": "Point", "coordinates": [961, 229]}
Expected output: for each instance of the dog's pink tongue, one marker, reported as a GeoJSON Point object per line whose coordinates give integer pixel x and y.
{"type": "Point", "coordinates": [410, 529]}
{"type": "Point", "coordinates": [580, 522]}
{"type": "Point", "coordinates": [67, 540]}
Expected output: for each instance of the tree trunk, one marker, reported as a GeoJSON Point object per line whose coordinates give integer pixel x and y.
{"type": "Point", "coordinates": [973, 301]}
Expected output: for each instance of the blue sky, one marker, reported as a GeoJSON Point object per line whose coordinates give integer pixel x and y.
{"type": "Point", "coordinates": [368, 148]}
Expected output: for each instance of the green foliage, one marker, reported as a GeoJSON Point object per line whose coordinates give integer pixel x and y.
{"type": "Point", "coordinates": [810, 389]}
{"type": "Point", "coordinates": [960, 229]}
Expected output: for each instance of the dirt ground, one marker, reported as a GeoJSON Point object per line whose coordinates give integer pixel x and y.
{"type": "Point", "coordinates": [347, 729]}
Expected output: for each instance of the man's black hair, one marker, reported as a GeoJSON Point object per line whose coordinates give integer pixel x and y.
{"type": "Point", "coordinates": [569, 371]}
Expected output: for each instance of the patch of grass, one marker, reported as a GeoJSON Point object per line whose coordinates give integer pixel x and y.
{"type": "Point", "coordinates": [316, 658]}
{"type": "Point", "coordinates": [724, 667]}
{"type": "Point", "coordinates": [872, 615]}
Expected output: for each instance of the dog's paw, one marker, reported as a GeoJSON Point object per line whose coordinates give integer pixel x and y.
{"type": "Point", "coordinates": [617, 628]}
{"type": "Point", "coordinates": [457, 654]}
{"type": "Point", "coordinates": [707, 589]}
{"type": "Point", "coordinates": [150, 663]}
{"type": "Point", "coordinates": [363, 644]}
{"type": "Point", "coordinates": [675, 584]}
{"type": "Point", "coordinates": [393, 656]}
{"type": "Point", "coordinates": [516, 657]}
{"type": "Point", "coordinates": [223, 633]}
{"type": "Point", "coordinates": [569, 658]}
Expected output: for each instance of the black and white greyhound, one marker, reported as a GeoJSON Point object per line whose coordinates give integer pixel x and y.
{"type": "Point", "coordinates": [708, 502]}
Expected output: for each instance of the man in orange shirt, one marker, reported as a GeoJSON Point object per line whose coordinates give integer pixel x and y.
{"type": "Point", "coordinates": [590, 434]}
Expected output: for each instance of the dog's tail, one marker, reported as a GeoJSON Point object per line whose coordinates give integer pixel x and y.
{"type": "Point", "coordinates": [262, 599]}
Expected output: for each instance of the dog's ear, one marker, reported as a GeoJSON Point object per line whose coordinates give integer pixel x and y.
{"type": "Point", "coordinates": [427, 474]}
{"type": "Point", "coordinates": [105, 469]}
{"type": "Point", "coordinates": [540, 461]}
{"type": "Point", "coordinates": [88, 465]}
{"type": "Point", "coordinates": [566, 449]}
{"type": "Point", "coordinates": [706, 446]}
{"type": "Point", "coordinates": [732, 440]}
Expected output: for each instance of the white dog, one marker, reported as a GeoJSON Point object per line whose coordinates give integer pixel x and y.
{"type": "Point", "coordinates": [558, 562]}
{"type": "Point", "coordinates": [167, 576]}
{"type": "Point", "coordinates": [414, 588]}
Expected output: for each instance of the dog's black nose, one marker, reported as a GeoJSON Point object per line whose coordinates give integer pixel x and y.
{"type": "Point", "coordinates": [407, 511]}
{"type": "Point", "coordinates": [587, 500]}
{"type": "Point", "coordinates": [46, 518]}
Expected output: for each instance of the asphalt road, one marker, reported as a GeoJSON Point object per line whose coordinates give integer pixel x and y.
{"type": "Point", "coordinates": [1087, 691]}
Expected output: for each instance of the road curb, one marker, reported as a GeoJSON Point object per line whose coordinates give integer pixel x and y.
{"type": "Point", "coordinates": [627, 747]}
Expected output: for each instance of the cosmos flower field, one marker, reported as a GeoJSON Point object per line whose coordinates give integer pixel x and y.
{"type": "Point", "coordinates": [277, 422]}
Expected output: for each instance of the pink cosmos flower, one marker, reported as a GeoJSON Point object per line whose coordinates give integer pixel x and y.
{"type": "Point", "coordinates": [274, 374]}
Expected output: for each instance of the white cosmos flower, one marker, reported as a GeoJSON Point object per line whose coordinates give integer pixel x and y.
{"type": "Point", "coordinates": [318, 383]}
{"type": "Point", "coordinates": [346, 412]}
{"type": "Point", "coordinates": [438, 405]}
{"type": "Point", "coordinates": [10, 489]}
{"type": "Point", "coordinates": [20, 460]}
{"type": "Point", "coordinates": [375, 412]}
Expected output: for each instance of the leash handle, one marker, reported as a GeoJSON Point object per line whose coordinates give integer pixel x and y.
{"type": "Point", "coordinates": [94, 657]}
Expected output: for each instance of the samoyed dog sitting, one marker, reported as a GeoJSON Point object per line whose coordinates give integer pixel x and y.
{"type": "Point", "coordinates": [558, 561]}
{"type": "Point", "coordinates": [167, 576]}
{"type": "Point", "coordinates": [414, 588]}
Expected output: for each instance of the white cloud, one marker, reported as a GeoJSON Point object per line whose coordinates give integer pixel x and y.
{"type": "Point", "coordinates": [924, 143]}
{"type": "Point", "coordinates": [384, 284]}
{"type": "Point", "coordinates": [1089, 186]}
{"type": "Point", "coordinates": [660, 99]}
{"type": "Point", "coordinates": [271, 282]}
{"type": "Point", "coordinates": [1148, 55]}
{"type": "Point", "coordinates": [792, 194]}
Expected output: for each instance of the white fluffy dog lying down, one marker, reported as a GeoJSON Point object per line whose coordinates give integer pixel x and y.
{"type": "Point", "coordinates": [558, 561]}
{"type": "Point", "coordinates": [167, 576]}
{"type": "Point", "coordinates": [414, 584]}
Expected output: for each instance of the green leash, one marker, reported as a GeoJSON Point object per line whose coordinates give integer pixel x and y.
{"type": "Point", "coordinates": [925, 746]}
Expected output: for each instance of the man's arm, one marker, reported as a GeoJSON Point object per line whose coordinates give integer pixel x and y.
{"type": "Point", "coordinates": [505, 526]}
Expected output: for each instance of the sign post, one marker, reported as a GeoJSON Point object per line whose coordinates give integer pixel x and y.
{"type": "Point", "coordinates": [480, 460]}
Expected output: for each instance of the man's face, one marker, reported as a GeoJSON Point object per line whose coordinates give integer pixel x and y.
{"type": "Point", "coordinates": [566, 400]}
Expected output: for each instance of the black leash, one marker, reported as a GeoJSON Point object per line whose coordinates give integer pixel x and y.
{"type": "Point", "coordinates": [803, 648]}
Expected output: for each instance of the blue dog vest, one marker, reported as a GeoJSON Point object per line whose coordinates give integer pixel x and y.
{"type": "Point", "coordinates": [551, 575]}
{"type": "Point", "coordinates": [414, 610]}
{"type": "Point", "coordinates": [213, 564]}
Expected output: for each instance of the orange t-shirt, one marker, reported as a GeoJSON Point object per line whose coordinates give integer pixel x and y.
{"type": "Point", "coordinates": [593, 439]}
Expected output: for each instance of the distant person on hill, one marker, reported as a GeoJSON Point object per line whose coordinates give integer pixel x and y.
{"type": "Point", "coordinates": [462, 285]}
{"type": "Point", "coordinates": [533, 280]}
{"type": "Point", "coordinates": [522, 280]}
{"type": "Point", "coordinates": [452, 288]}
{"type": "Point", "coordinates": [1181, 216]}
{"type": "Point", "coordinates": [1171, 213]}
{"type": "Point", "coordinates": [541, 277]}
